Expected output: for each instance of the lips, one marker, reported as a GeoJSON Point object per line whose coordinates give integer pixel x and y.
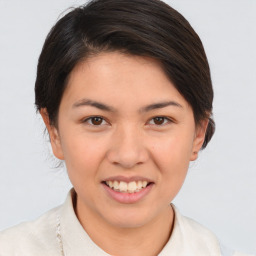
{"type": "Point", "coordinates": [127, 190]}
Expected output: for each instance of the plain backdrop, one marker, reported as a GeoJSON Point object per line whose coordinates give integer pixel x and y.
{"type": "Point", "coordinates": [220, 190]}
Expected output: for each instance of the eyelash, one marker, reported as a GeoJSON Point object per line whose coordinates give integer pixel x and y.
{"type": "Point", "coordinates": [87, 120]}
{"type": "Point", "coordinates": [166, 120]}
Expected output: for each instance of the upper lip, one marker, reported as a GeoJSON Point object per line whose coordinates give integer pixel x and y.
{"type": "Point", "coordinates": [128, 179]}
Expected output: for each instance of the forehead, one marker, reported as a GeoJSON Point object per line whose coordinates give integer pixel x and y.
{"type": "Point", "coordinates": [111, 64]}
{"type": "Point", "coordinates": [121, 79]}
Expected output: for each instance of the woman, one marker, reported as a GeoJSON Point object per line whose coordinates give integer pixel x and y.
{"type": "Point", "coordinates": [125, 92]}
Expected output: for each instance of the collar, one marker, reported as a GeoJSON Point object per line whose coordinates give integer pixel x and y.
{"type": "Point", "coordinates": [188, 237]}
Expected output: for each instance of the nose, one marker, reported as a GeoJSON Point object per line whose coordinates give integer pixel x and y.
{"type": "Point", "coordinates": [127, 148]}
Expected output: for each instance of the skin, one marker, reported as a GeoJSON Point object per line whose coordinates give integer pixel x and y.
{"type": "Point", "coordinates": [127, 142]}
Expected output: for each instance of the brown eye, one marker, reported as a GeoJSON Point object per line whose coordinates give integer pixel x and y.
{"type": "Point", "coordinates": [159, 120]}
{"type": "Point", "coordinates": [95, 121]}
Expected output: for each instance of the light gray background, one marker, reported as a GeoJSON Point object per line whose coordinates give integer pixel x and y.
{"type": "Point", "coordinates": [220, 189]}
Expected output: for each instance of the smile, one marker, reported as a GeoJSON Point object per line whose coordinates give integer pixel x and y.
{"type": "Point", "coordinates": [127, 187]}
{"type": "Point", "coordinates": [127, 191]}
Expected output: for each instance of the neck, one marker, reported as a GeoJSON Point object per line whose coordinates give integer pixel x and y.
{"type": "Point", "coordinates": [148, 239]}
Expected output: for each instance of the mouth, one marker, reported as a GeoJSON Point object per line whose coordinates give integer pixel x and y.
{"type": "Point", "coordinates": [127, 191]}
{"type": "Point", "coordinates": [127, 187]}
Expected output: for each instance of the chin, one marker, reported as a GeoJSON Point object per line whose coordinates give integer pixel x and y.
{"type": "Point", "coordinates": [128, 223]}
{"type": "Point", "coordinates": [129, 219]}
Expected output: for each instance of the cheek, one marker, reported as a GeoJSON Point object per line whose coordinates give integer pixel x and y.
{"type": "Point", "coordinates": [83, 155]}
{"type": "Point", "coordinates": [172, 150]}
{"type": "Point", "coordinates": [172, 157]}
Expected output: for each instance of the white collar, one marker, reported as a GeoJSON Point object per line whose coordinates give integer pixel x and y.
{"type": "Point", "coordinates": [188, 237]}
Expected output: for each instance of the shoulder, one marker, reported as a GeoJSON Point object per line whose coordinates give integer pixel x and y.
{"type": "Point", "coordinates": [28, 237]}
{"type": "Point", "coordinates": [200, 239]}
{"type": "Point", "coordinates": [196, 234]}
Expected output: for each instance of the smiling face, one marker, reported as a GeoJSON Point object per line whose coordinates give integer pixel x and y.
{"type": "Point", "coordinates": [127, 137]}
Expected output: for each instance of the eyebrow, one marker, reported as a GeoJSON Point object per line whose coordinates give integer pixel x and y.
{"type": "Point", "coordinates": [87, 102]}
{"type": "Point", "coordinates": [104, 107]}
{"type": "Point", "coordinates": [160, 105]}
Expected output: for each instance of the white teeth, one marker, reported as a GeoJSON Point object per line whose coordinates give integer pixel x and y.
{"type": "Point", "coordinates": [144, 184]}
{"type": "Point", "coordinates": [110, 183]}
{"type": "Point", "coordinates": [116, 185]}
{"type": "Point", "coordinates": [125, 187]}
{"type": "Point", "coordinates": [139, 184]}
{"type": "Point", "coordinates": [132, 186]}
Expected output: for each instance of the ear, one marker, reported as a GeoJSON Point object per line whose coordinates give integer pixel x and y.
{"type": "Point", "coordinates": [54, 135]}
{"type": "Point", "coordinates": [199, 138]}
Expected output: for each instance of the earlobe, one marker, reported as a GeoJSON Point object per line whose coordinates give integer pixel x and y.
{"type": "Point", "coordinates": [199, 138]}
{"type": "Point", "coordinates": [54, 135]}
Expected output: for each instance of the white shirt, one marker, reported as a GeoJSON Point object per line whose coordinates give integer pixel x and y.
{"type": "Point", "coordinates": [59, 233]}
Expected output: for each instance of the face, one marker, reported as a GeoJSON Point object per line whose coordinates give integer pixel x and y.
{"type": "Point", "coordinates": [127, 137]}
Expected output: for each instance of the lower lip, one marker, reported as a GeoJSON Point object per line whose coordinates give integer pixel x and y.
{"type": "Point", "coordinates": [127, 198]}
